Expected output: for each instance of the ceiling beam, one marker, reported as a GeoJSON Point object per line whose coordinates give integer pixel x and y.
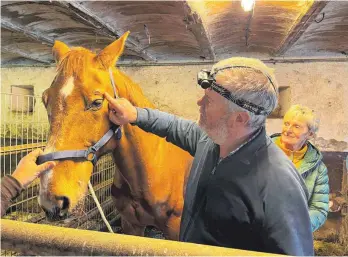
{"type": "Point", "coordinates": [274, 60]}
{"type": "Point", "coordinates": [86, 14]}
{"type": "Point", "coordinates": [195, 25]}
{"type": "Point", "coordinates": [29, 33]}
{"type": "Point", "coordinates": [23, 54]}
{"type": "Point", "coordinates": [300, 26]}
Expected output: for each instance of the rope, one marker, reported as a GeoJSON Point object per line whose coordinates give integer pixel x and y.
{"type": "Point", "coordinates": [91, 190]}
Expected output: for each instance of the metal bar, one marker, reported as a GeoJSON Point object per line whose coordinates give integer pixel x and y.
{"type": "Point", "coordinates": [35, 239]}
{"type": "Point", "coordinates": [13, 149]}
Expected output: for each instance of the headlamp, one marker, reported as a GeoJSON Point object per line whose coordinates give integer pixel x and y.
{"type": "Point", "coordinates": [207, 80]}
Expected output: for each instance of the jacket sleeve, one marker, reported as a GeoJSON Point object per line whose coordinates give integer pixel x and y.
{"type": "Point", "coordinates": [10, 189]}
{"type": "Point", "coordinates": [319, 202]}
{"type": "Point", "coordinates": [182, 133]}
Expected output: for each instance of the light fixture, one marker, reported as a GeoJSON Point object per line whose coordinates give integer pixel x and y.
{"type": "Point", "coordinates": [248, 5]}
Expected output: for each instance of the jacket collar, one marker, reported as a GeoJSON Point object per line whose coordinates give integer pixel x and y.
{"type": "Point", "coordinates": [311, 159]}
{"type": "Point", "coordinates": [247, 152]}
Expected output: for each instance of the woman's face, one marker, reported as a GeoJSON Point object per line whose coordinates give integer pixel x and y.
{"type": "Point", "coordinates": [295, 132]}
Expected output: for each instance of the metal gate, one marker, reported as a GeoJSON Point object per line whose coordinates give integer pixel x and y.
{"type": "Point", "coordinates": [24, 127]}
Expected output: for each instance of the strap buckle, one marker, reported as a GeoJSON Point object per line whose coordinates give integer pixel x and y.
{"type": "Point", "coordinates": [91, 155]}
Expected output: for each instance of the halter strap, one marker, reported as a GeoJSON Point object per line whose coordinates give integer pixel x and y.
{"type": "Point", "coordinates": [89, 154]}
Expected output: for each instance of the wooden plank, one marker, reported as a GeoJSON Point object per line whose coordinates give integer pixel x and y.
{"type": "Point", "coordinates": [28, 33]}
{"type": "Point", "coordinates": [20, 52]}
{"type": "Point", "coordinates": [195, 25]}
{"type": "Point", "coordinates": [83, 12]}
{"type": "Point", "coordinates": [300, 26]}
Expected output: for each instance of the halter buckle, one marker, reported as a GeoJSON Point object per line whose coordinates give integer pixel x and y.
{"type": "Point", "coordinates": [91, 155]}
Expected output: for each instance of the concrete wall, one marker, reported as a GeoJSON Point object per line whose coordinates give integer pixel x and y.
{"type": "Point", "coordinates": [321, 86]}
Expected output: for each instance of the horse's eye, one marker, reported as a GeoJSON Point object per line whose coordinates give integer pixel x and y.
{"type": "Point", "coordinates": [96, 104]}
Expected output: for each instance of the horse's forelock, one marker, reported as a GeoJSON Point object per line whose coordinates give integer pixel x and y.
{"type": "Point", "coordinates": [76, 61]}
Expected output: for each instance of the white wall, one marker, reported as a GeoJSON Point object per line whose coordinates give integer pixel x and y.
{"type": "Point", "coordinates": [321, 86]}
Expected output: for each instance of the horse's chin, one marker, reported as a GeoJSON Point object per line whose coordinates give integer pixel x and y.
{"type": "Point", "coordinates": [76, 212]}
{"type": "Point", "coordinates": [56, 215]}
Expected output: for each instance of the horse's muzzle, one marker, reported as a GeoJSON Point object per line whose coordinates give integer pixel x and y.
{"type": "Point", "coordinates": [60, 211]}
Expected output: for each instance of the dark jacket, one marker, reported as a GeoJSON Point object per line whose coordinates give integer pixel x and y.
{"type": "Point", "coordinates": [253, 200]}
{"type": "Point", "coordinates": [10, 189]}
{"type": "Point", "coordinates": [315, 175]}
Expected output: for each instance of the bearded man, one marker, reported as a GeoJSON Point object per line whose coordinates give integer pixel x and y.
{"type": "Point", "coordinates": [242, 192]}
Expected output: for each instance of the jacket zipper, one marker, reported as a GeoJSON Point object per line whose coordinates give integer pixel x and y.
{"type": "Point", "coordinates": [199, 206]}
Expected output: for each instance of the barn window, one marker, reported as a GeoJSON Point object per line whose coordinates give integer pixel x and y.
{"type": "Point", "coordinates": [22, 98]}
{"type": "Point", "coordinates": [283, 103]}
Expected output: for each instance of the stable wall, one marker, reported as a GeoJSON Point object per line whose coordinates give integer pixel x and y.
{"type": "Point", "coordinates": [321, 86]}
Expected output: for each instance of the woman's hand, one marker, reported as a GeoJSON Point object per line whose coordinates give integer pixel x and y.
{"type": "Point", "coordinates": [27, 170]}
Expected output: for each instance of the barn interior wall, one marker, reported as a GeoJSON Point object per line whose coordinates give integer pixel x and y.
{"type": "Point", "coordinates": [321, 86]}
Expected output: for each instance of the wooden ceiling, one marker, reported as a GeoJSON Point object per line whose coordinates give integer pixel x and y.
{"type": "Point", "coordinates": [175, 31]}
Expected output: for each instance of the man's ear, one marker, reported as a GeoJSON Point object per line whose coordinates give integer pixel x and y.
{"type": "Point", "coordinates": [242, 118]}
{"type": "Point", "coordinates": [238, 119]}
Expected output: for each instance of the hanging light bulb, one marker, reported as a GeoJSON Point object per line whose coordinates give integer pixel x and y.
{"type": "Point", "coordinates": [248, 5]}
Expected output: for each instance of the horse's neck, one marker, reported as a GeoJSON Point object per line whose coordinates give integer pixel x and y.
{"type": "Point", "coordinates": [132, 148]}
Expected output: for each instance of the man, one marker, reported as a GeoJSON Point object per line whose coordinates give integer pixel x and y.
{"type": "Point", "coordinates": [243, 192]}
{"type": "Point", "coordinates": [26, 172]}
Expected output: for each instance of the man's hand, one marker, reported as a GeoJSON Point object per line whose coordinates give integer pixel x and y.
{"type": "Point", "coordinates": [121, 110]}
{"type": "Point", "coordinates": [27, 170]}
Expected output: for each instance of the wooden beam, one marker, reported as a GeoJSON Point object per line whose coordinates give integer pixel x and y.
{"type": "Point", "coordinates": [300, 26]}
{"type": "Point", "coordinates": [29, 33]}
{"type": "Point", "coordinates": [247, 28]}
{"type": "Point", "coordinates": [87, 15]}
{"type": "Point", "coordinates": [23, 54]}
{"type": "Point", "coordinates": [195, 25]}
{"type": "Point", "coordinates": [38, 239]}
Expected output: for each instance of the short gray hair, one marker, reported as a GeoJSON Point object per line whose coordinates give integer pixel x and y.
{"type": "Point", "coordinates": [307, 114]}
{"type": "Point", "coordinates": [251, 83]}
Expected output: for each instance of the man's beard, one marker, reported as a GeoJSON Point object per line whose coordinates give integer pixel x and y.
{"type": "Point", "coordinates": [218, 131]}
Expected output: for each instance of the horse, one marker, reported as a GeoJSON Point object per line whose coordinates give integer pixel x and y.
{"type": "Point", "coordinates": [148, 186]}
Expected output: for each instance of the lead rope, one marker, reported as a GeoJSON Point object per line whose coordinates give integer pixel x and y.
{"type": "Point", "coordinates": [90, 187]}
{"type": "Point", "coordinates": [91, 190]}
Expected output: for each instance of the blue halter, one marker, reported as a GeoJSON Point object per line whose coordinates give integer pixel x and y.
{"type": "Point", "coordinates": [91, 153]}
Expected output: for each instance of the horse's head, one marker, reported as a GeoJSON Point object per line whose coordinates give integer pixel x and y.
{"type": "Point", "coordinates": [78, 116]}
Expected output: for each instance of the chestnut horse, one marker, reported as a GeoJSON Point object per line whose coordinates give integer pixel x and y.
{"type": "Point", "coordinates": [149, 184]}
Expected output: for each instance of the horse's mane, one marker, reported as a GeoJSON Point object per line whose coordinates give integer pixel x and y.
{"type": "Point", "coordinates": [79, 60]}
{"type": "Point", "coordinates": [134, 92]}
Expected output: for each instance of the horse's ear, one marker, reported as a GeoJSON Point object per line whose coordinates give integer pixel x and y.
{"type": "Point", "coordinates": [110, 54]}
{"type": "Point", "coordinates": [59, 50]}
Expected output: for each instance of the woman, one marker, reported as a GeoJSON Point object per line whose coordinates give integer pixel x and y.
{"type": "Point", "coordinates": [300, 125]}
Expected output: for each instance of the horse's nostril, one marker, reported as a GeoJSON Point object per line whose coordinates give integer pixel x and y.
{"type": "Point", "coordinates": [63, 202]}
